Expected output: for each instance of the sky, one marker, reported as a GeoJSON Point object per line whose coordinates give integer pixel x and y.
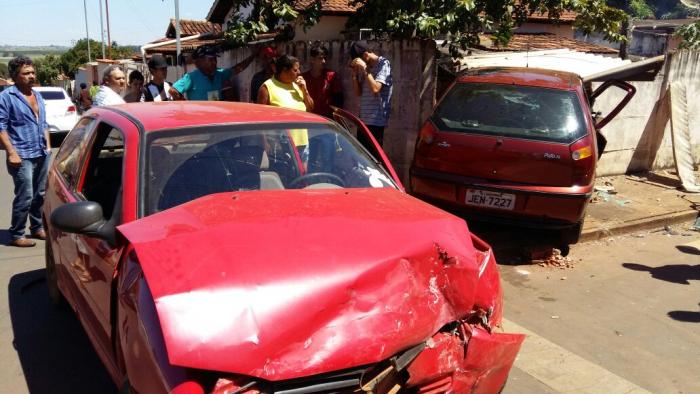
{"type": "Point", "coordinates": [62, 22]}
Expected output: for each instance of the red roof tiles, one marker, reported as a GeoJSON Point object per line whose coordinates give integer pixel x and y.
{"type": "Point", "coordinates": [542, 41]}
{"type": "Point", "coordinates": [191, 27]}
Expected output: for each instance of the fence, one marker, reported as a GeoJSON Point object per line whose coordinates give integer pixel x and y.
{"type": "Point", "coordinates": [414, 74]}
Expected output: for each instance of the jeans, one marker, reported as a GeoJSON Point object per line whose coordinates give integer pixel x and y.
{"type": "Point", "coordinates": [30, 187]}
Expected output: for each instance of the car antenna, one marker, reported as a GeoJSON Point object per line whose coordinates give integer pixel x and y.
{"type": "Point", "coordinates": [527, 52]}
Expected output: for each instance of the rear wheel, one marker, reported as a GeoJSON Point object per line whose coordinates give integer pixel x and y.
{"type": "Point", "coordinates": [51, 276]}
{"type": "Point", "coordinates": [570, 236]}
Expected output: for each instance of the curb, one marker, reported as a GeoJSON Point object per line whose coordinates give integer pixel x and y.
{"type": "Point", "coordinates": [630, 226]}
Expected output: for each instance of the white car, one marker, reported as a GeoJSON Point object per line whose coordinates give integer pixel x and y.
{"type": "Point", "coordinates": [61, 114]}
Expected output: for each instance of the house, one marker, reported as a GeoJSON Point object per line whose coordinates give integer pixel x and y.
{"type": "Point", "coordinates": [335, 14]}
{"type": "Point", "coordinates": [200, 32]}
{"type": "Point", "coordinates": [193, 34]}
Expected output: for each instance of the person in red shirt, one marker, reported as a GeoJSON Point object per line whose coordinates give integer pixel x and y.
{"type": "Point", "coordinates": [324, 85]}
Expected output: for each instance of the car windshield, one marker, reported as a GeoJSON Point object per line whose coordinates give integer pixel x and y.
{"type": "Point", "coordinates": [512, 111]}
{"type": "Point", "coordinates": [52, 95]}
{"type": "Point", "coordinates": [186, 164]}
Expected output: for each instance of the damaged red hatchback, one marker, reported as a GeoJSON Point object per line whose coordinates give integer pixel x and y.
{"type": "Point", "coordinates": [237, 248]}
{"type": "Point", "coordinates": [514, 145]}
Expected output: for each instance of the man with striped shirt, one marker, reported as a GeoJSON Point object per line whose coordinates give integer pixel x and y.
{"type": "Point", "coordinates": [373, 83]}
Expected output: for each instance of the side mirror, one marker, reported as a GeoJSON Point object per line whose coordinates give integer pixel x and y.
{"type": "Point", "coordinates": [83, 217]}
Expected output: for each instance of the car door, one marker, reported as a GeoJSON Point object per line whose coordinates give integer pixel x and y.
{"type": "Point", "coordinates": [95, 260]}
{"type": "Point", "coordinates": [356, 126]}
{"type": "Point", "coordinates": [62, 181]}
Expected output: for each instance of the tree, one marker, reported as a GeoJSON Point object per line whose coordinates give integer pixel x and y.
{"type": "Point", "coordinates": [47, 69]}
{"type": "Point", "coordinates": [4, 71]}
{"type": "Point", "coordinates": [78, 55]}
{"type": "Point", "coordinates": [460, 20]}
{"type": "Point", "coordinates": [690, 35]}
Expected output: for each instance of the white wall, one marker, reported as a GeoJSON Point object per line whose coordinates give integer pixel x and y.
{"type": "Point", "coordinates": [328, 28]}
{"type": "Point", "coordinates": [639, 137]}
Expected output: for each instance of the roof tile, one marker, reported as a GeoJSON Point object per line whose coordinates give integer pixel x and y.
{"type": "Point", "coordinates": [542, 41]}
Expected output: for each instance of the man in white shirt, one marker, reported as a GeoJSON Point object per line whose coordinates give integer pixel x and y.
{"type": "Point", "coordinates": [113, 84]}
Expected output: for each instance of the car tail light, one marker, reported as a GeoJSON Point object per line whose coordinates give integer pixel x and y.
{"type": "Point", "coordinates": [582, 154]}
{"type": "Point", "coordinates": [71, 109]}
{"type": "Point", "coordinates": [427, 134]}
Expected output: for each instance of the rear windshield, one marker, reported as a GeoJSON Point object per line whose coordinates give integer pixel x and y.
{"type": "Point", "coordinates": [52, 95]}
{"type": "Point", "coordinates": [512, 111]}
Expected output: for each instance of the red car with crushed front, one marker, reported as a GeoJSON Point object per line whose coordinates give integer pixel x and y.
{"type": "Point", "coordinates": [238, 248]}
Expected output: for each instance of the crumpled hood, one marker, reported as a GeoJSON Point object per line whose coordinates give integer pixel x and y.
{"type": "Point", "coordinates": [284, 284]}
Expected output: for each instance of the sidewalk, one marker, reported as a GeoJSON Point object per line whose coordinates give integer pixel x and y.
{"type": "Point", "coordinates": [628, 203]}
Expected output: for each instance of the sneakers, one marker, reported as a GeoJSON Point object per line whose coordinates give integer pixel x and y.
{"type": "Point", "coordinates": [22, 243]}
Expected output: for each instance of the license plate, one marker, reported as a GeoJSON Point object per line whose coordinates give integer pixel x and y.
{"type": "Point", "coordinates": [490, 199]}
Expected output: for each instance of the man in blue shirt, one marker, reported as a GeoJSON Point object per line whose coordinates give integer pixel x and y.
{"type": "Point", "coordinates": [373, 83]}
{"type": "Point", "coordinates": [208, 82]}
{"type": "Point", "coordinates": [24, 136]}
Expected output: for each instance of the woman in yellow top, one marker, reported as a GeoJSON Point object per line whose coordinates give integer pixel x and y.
{"type": "Point", "coordinates": [287, 89]}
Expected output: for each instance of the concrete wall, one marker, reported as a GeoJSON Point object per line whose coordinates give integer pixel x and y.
{"type": "Point", "coordinates": [328, 28]}
{"type": "Point", "coordinates": [562, 30]}
{"type": "Point", "coordinates": [414, 73]}
{"type": "Point", "coordinates": [639, 137]}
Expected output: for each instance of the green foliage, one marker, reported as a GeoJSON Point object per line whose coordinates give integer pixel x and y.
{"type": "Point", "coordinates": [4, 71]}
{"type": "Point", "coordinates": [650, 9]}
{"type": "Point", "coordinates": [690, 35]}
{"type": "Point", "coordinates": [78, 55]}
{"type": "Point", "coordinates": [269, 15]}
{"type": "Point", "coordinates": [47, 69]}
{"type": "Point", "coordinates": [461, 20]}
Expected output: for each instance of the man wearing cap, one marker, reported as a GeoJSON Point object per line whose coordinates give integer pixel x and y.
{"type": "Point", "coordinates": [158, 89]}
{"type": "Point", "coordinates": [373, 83]}
{"type": "Point", "coordinates": [207, 82]}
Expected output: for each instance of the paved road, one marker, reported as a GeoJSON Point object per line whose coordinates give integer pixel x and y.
{"type": "Point", "coordinates": [626, 318]}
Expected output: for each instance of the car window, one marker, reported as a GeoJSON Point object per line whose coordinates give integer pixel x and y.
{"type": "Point", "coordinates": [191, 163]}
{"type": "Point", "coordinates": [512, 111]}
{"type": "Point", "coordinates": [52, 95]}
{"type": "Point", "coordinates": [103, 174]}
{"type": "Point", "coordinates": [69, 155]}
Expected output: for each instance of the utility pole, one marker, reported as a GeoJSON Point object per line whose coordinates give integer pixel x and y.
{"type": "Point", "coordinates": [177, 37]}
{"type": "Point", "coordinates": [87, 32]}
{"type": "Point", "coordinates": [109, 37]}
{"type": "Point", "coordinates": [102, 30]}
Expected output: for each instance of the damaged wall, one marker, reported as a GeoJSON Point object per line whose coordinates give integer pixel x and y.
{"type": "Point", "coordinates": [639, 138]}
{"type": "Point", "coordinates": [414, 72]}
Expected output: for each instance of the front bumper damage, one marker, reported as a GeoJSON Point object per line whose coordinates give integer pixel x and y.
{"type": "Point", "coordinates": [462, 357]}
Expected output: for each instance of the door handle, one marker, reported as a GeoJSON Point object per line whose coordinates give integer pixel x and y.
{"type": "Point", "coordinates": [443, 144]}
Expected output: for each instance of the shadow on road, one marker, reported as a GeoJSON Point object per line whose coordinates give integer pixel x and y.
{"type": "Point", "coordinates": [5, 237]}
{"type": "Point", "coordinates": [688, 249]}
{"type": "Point", "coordinates": [514, 245]}
{"type": "Point", "coordinates": [686, 316]}
{"type": "Point", "coordinates": [679, 273]}
{"type": "Point", "coordinates": [53, 349]}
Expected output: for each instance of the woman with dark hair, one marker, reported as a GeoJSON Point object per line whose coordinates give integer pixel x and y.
{"type": "Point", "coordinates": [287, 89]}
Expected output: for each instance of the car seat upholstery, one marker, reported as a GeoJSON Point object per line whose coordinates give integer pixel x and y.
{"type": "Point", "coordinates": [219, 168]}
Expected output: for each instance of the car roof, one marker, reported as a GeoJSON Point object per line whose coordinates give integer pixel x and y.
{"type": "Point", "coordinates": [175, 114]}
{"type": "Point", "coordinates": [523, 76]}
{"type": "Point", "coordinates": [48, 88]}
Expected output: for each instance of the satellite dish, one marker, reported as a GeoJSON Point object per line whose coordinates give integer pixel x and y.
{"type": "Point", "coordinates": [691, 3]}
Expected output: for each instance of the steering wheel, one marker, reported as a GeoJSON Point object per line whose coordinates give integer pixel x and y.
{"type": "Point", "coordinates": [332, 177]}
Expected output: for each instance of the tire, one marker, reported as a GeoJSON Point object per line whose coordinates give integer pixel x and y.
{"type": "Point", "coordinates": [55, 295]}
{"type": "Point", "coordinates": [571, 235]}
